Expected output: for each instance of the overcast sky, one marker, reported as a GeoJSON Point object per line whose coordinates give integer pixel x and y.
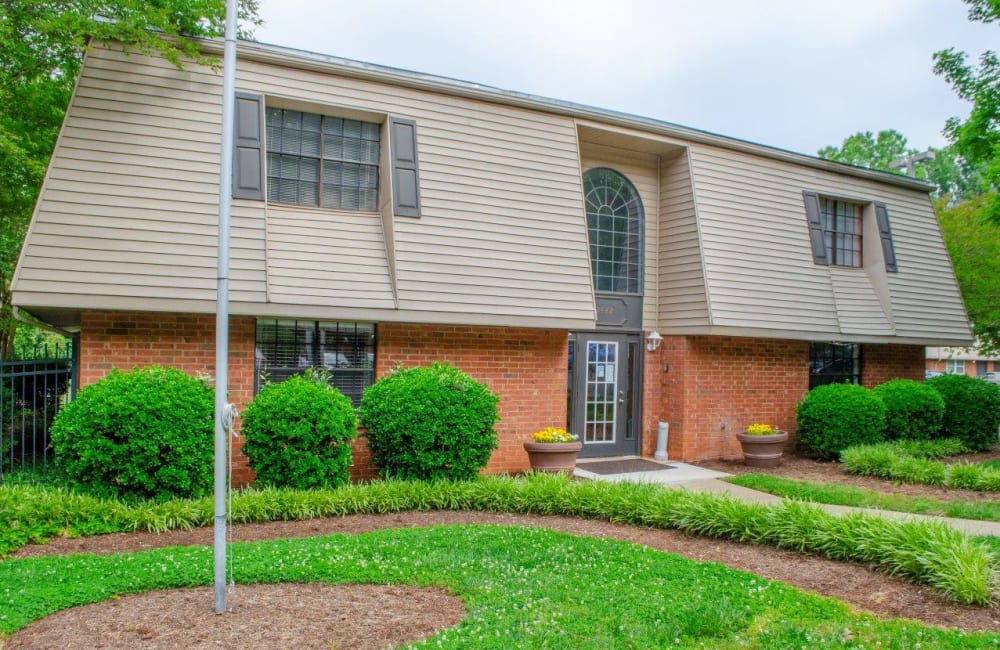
{"type": "Point", "coordinates": [795, 74]}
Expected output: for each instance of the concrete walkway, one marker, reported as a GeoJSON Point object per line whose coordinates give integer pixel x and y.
{"type": "Point", "coordinates": [691, 477]}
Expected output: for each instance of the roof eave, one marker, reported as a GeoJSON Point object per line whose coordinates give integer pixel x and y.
{"type": "Point", "coordinates": [301, 59]}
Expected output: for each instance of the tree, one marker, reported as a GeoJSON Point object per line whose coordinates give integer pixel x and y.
{"type": "Point", "coordinates": [974, 246]}
{"type": "Point", "coordinates": [977, 138]}
{"type": "Point", "coordinates": [866, 150]}
{"type": "Point", "coordinates": [42, 43]}
{"type": "Point", "coordinates": [954, 178]}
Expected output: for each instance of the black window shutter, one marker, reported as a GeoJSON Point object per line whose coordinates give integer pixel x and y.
{"type": "Point", "coordinates": [885, 232]}
{"type": "Point", "coordinates": [248, 148]}
{"type": "Point", "coordinates": [815, 228]}
{"type": "Point", "coordinates": [405, 177]}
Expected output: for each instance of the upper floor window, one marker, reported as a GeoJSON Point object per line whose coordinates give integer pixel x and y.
{"type": "Point", "coordinates": [834, 363]}
{"type": "Point", "coordinates": [841, 222]}
{"type": "Point", "coordinates": [835, 231]}
{"type": "Point", "coordinates": [614, 222]}
{"type": "Point", "coordinates": [345, 349]}
{"type": "Point", "coordinates": [323, 161]}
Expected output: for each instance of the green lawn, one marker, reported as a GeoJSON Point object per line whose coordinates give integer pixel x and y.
{"type": "Point", "coordinates": [523, 587]}
{"type": "Point", "coordinates": [849, 495]}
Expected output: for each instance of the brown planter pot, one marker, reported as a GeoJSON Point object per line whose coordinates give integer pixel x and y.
{"type": "Point", "coordinates": [553, 457]}
{"type": "Point", "coordinates": [763, 451]}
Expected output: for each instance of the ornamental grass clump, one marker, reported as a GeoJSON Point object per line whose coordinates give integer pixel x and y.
{"type": "Point", "coordinates": [892, 461]}
{"type": "Point", "coordinates": [429, 423]}
{"type": "Point", "coordinates": [298, 433]}
{"type": "Point", "coordinates": [913, 411]}
{"type": "Point", "coordinates": [146, 433]}
{"type": "Point", "coordinates": [554, 434]}
{"type": "Point", "coordinates": [934, 554]}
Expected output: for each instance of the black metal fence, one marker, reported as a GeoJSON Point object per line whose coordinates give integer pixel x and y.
{"type": "Point", "coordinates": [32, 390]}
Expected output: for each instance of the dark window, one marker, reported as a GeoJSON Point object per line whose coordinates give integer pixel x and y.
{"type": "Point", "coordinates": [841, 223]}
{"type": "Point", "coordinates": [346, 350]}
{"type": "Point", "coordinates": [614, 223]}
{"type": "Point", "coordinates": [834, 363]}
{"type": "Point", "coordinates": [323, 161]}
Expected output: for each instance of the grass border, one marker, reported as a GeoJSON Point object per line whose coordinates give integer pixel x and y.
{"type": "Point", "coordinates": [932, 553]}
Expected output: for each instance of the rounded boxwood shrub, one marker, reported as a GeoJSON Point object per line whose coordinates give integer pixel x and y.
{"type": "Point", "coordinates": [145, 433]}
{"type": "Point", "coordinates": [913, 411]}
{"type": "Point", "coordinates": [298, 434]}
{"type": "Point", "coordinates": [971, 409]}
{"type": "Point", "coordinates": [836, 416]}
{"type": "Point", "coordinates": [432, 422]}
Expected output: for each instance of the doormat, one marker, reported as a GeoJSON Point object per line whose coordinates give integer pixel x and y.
{"type": "Point", "coordinates": [626, 466]}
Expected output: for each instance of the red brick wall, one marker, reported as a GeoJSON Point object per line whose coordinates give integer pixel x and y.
{"type": "Point", "coordinates": [525, 367]}
{"type": "Point", "coordinates": [880, 363]}
{"type": "Point", "coordinates": [715, 386]}
{"type": "Point", "coordinates": [126, 340]}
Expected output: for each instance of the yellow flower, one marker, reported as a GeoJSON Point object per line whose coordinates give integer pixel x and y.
{"type": "Point", "coordinates": [758, 429]}
{"type": "Point", "coordinates": [554, 434]}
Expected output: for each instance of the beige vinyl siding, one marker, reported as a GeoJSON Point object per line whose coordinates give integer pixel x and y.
{"type": "Point", "coordinates": [857, 305]}
{"type": "Point", "coordinates": [501, 239]}
{"type": "Point", "coordinates": [759, 268]}
{"type": "Point", "coordinates": [683, 303]}
{"type": "Point", "coordinates": [319, 257]}
{"type": "Point", "coordinates": [129, 207]}
{"type": "Point", "coordinates": [642, 169]}
{"type": "Point", "coordinates": [501, 233]}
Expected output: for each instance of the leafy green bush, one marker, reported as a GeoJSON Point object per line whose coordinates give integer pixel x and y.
{"type": "Point", "coordinates": [913, 411]}
{"type": "Point", "coordinates": [971, 409]}
{"type": "Point", "coordinates": [432, 422]}
{"type": "Point", "coordinates": [836, 416]}
{"type": "Point", "coordinates": [298, 434]}
{"type": "Point", "coordinates": [145, 433]}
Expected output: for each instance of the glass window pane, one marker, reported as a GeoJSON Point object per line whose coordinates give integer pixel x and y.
{"type": "Point", "coordinates": [614, 219]}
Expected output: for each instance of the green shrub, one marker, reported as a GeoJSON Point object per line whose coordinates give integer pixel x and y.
{"type": "Point", "coordinates": [971, 409]}
{"type": "Point", "coordinates": [836, 416]}
{"type": "Point", "coordinates": [427, 423]}
{"type": "Point", "coordinates": [145, 433]}
{"type": "Point", "coordinates": [298, 434]}
{"type": "Point", "coordinates": [913, 411]}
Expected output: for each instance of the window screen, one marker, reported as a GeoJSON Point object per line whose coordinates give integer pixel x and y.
{"type": "Point", "coordinates": [319, 160]}
{"type": "Point", "coordinates": [345, 349]}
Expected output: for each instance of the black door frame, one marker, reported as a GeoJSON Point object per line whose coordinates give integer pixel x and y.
{"type": "Point", "coordinates": [628, 432]}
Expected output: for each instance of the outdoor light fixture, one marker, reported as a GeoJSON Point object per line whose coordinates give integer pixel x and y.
{"type": "Point", "coordinates": [653, 341]}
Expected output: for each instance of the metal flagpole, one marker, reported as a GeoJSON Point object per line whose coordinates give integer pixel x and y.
{"type": "Point", "coordinates": [222, 304]}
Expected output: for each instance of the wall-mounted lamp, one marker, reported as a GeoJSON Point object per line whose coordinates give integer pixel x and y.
{"type": "Point", "coordinates": [653, 341]}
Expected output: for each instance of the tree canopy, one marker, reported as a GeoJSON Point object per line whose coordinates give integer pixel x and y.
{"type": "Point", "coordinates": [42, 43]}
{"type": "Point", "coordinates": [955, 179]}
{"type": "Point", "coordinates": [974, 246]}
{"type": "Point", "coordinates": [977, 138]}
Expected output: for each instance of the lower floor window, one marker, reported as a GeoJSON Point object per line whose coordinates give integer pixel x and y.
{"type": "Point", "coordinates": [345, 349]}
{"type": "Point", "coordinates": [834, 363]}
{"type": "Point", "coordinates": [955, 366]}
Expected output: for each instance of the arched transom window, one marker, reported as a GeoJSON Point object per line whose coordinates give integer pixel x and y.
{"type": "Point", "coordinates": [614, 223]}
